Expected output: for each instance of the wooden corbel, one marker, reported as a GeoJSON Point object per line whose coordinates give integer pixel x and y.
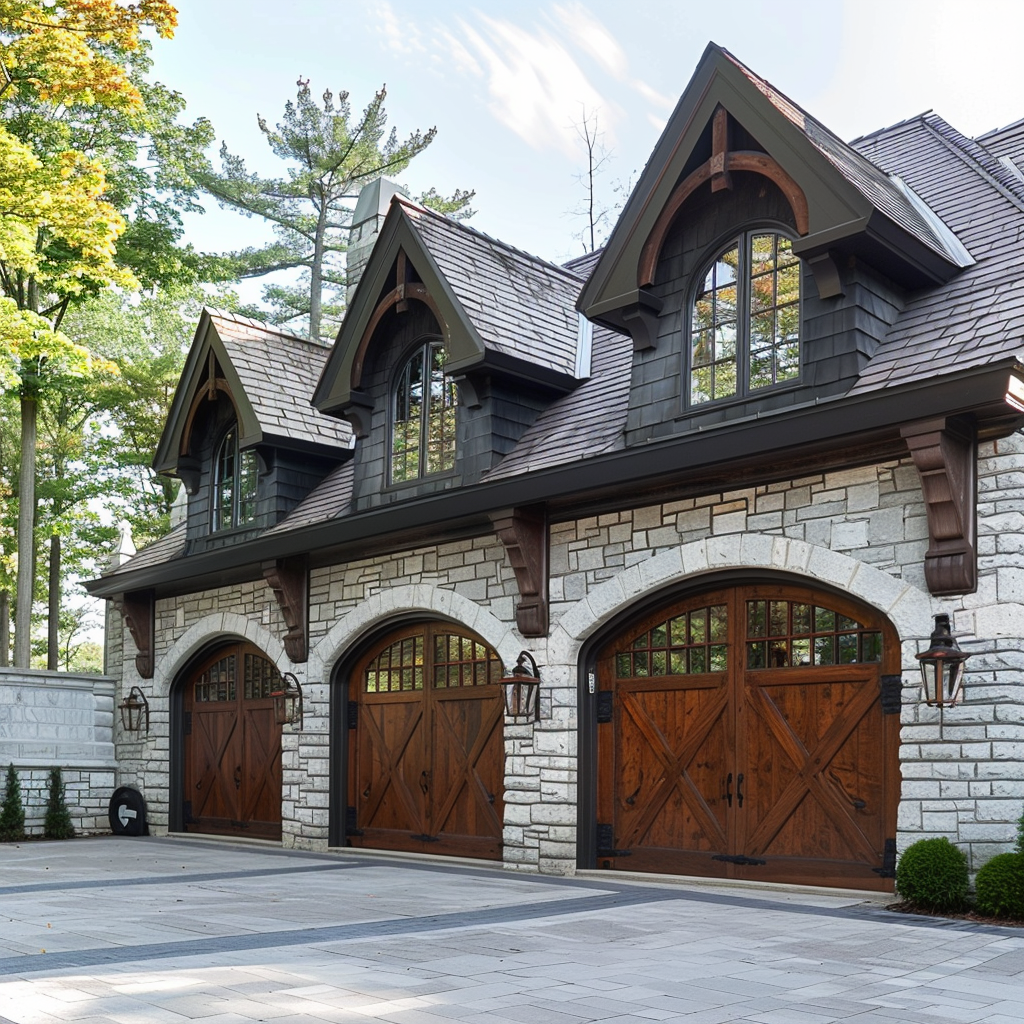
{"type": "Point", "coordinates": [944, 451]}
{"type": "Point", "coordinates": [289, 580]}
{"type": "Point", "coordinates": [139, 613]}
{"type": "Point", "coordinates": [641, 318]}
{"type": "Point", "coordinates": [524, 534]}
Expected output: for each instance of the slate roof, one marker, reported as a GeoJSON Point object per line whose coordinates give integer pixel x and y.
{"type": "Point", "coordinates": [978, 317]}
{"type": "Point", "coordinates": [278, 371]}
{"type": "Point", "coordinates": [166, 549]}
{"type": "Point", "coordinates": [872, 182]}
{"type": "Point", "coordinates": [520, 304]}
{"type": "Point", "coordinates": [525, 305]}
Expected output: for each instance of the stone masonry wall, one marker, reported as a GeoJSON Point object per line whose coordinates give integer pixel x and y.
{"type": "Point", "coordinates": [59, 720]}
{"type": "Point", "coordinates": [862, 530]}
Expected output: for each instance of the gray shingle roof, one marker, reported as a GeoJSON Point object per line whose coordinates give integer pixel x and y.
{"type": "Point", "coordinates": [873, 183]}
{"type": "Point", "coordinates": [328, 500]}
{"type": "Point", "coordinates": [278, 371]}
{"type": "Point", "coordinates": [166, 549]}
{"type": "Point", "coordinates": [519, 304]}
{"type": "Point", "coordinates": [977, 317]}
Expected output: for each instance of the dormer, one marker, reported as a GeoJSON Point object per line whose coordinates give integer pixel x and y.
{"type": "Point", "coordinates": [759, 260]}
{"type": "Point", "coordinates": [451, 346]}
{"type": "Point", "coordinates": [241, 435]}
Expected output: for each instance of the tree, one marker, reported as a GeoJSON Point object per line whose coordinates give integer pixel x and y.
{"type": "Point", "coordinates": [12, 809]}
{"type": "Point", "coordinates": [90, 153]}
{"type": "Point", "coordinates": [330, 159]}
{"type": "Point", "coordinates": [57, 822]}
{"type": "Point", "coordinates": [597, 157]}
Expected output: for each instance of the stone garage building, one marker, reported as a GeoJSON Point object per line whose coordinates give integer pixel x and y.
{"type": "Point", "coordinates": [716, 479]}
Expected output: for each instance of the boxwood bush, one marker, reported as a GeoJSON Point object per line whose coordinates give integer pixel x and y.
{"type": "Point", "coordinates": [932, 875]}
{"type": "Point", "coordinates": [999, 887]}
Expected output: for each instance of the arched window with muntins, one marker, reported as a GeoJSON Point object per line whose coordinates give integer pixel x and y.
{"type": "Point", "coordinates": [423, 417]}
{"type": "Point", "coordinates": [745, 319]}
{"type": "Point", "coordinates": [234, 484]}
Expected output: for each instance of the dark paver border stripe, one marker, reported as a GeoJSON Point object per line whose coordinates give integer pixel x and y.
{"type": "Point", "coordinates": [205, 876]}
{"type": "Point", "coordinates": [32, 964]}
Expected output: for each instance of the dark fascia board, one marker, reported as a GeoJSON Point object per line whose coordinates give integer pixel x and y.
{"type": "Point", "coordinates": [837, 209]}
{"type": "Point", "coordinates": [333, 390]}
{"type": "Point", "coordinates": [508, 365]}
{"type": "Point", "coordinates": [836, 425]}
{"type": "Point", "coordinates": [206, 339]}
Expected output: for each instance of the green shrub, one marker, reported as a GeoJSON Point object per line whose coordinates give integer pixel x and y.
{"type": "Point", "coordinates": [999, 887]}
{"type": "Point", "coordinates": [12, 810]}
{"type": "Point", "coordinates": [932, 875]}
{"type": "Point", "coordinates": [57, 823]}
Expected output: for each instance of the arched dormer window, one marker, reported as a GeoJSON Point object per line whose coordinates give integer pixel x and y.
{"type": "Point", "coordinates": [234, 484]}
{"type": "Point", "coordinates": [745, 319]}
{"type": "Point", "coordinates": [423, 416]}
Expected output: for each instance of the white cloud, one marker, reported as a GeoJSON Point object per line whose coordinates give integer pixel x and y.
{"type": "Point", "coordinates": [593, 38]}
{"type": "Point", "coordinates": [401, 37]}
{"type": "Point", "coordinates": [536, 87]}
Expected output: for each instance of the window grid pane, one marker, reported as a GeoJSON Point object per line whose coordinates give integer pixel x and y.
{"type": "Point", "coordinates": [397, 668]}
{"type": "Point", "coordinates": [423, 427]}
{"type": "Point", "coordinates": [217, 683]}
{"type": "Point", "coordinates": [690, 643]}
{"type": "Point", "coordinates": [461, 661]}
{"type": "Point", "coordinates": [792, 634]}
{"type": "Point", "coordinates": [260, 677]}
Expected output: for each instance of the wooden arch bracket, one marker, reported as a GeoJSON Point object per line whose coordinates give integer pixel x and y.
{"type": "Point", "coordinates": [288, 578]}
{"type": "Point", "coordinates": [716, 169]}
{"type": "Point", "coordinates": [524, 534]}
{"type": "Point", "coordinates": [944, 451]}
{"type": "Point", "coordinates": [138, 610]}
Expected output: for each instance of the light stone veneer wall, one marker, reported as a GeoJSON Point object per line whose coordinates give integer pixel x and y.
{"type": "Point", "coordinates": [863, 531]}
{"type": "Point", "coordinates": [59, 720]}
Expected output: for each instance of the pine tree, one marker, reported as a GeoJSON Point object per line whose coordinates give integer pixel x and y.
{"type": "Point", "coordinates": [12, 810]}
{"type": "Point", "coordinates": [57, 824]}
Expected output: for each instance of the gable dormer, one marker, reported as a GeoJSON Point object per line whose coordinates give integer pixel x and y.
{"type": "Point", "coordinates": [241, 435]}
{"type": "Point", "coordinates": [452, 344]}
{"type": "Point", "coordinates": [759, 260]}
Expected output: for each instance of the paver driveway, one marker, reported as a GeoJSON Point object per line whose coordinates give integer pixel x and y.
{"type": "Point", "coordinates": [170, 930]}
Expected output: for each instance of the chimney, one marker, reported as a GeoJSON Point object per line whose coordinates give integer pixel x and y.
{"type": "Point", "coordinates": [367, 218]}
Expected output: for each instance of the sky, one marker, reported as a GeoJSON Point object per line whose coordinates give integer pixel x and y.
{"type": "Point", "coordinates": [507, 85]}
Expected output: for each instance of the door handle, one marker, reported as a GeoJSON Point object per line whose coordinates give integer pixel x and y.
{"type": "Point", "coordinates": [739, 789]}
{"type": "Point", "coordinates": [424, 782]}
{"type": "Point", "coordinates": [238, 777]}
{"type": "Point", "coordinates": [728, 789]}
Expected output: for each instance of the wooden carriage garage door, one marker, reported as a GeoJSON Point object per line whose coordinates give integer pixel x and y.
{"type": "Point", "coordinates": [232, 755]}
{"type": "Point", "coordinates": [426, 761]}
{"type": "Point", "coordinates": [743, 734]}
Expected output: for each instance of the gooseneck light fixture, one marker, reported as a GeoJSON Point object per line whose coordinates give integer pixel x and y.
{"type": "Point", "coordinates": [942, 667]}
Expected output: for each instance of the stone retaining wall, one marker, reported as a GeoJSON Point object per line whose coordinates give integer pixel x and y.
{"type": "Point", "coordinates": [50, 720]}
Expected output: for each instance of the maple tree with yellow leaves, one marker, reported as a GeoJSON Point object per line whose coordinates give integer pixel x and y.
{"type": "Point", "coordinates": [58, 228]}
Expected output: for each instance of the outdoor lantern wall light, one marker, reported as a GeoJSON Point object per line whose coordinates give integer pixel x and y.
{"type": "Point", "coordinates": [942, 667]}
{"type": "Point", "coordinates": [288, 701]}
{"type": "Point", "coordinates": [522, 689]}
{"type": "Point", "coordinates": [134, 709]}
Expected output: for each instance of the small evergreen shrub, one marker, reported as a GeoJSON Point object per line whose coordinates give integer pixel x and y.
{"type": "Point", "coordinates": [12, 810]}
{"type": "Point", "coordinates": [932, 875]}
{"type": "Point", "coordinates": [999, 887]}
{"type": "Point", "coordinates": [57, 823]}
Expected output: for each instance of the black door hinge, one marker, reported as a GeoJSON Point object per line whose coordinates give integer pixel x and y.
{"type": "Point", "coordinates": [186, 724]}
{"type": "Point", "coordinates": [186, 813]}
{"type": "Point", "coordinates": [353, 714]}
{"type": "Point", "coordinates": [606, 843]}
{"type": "Point", "coordinates": [426, 839]}
{"type": "Point", "coordinates": [350, 823]}
{"type": "Point", "coordinates": [892, 695]}
{"type": "Point", "coordinates": [888, 868]}
{"type": "Point", "coordinates": [739, 859]}
{"type": "Point", "coordinates": [605, 706]}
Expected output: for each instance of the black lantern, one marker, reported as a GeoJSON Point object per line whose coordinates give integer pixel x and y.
{"type": "Point", "coordinates": [134, 710]}
{"type": "Point", "coordinates": [288, 701]}
{"type": "Point", "coordinates": [942, 667]}
{"type": "Point", "coordinates": [522, 689]}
